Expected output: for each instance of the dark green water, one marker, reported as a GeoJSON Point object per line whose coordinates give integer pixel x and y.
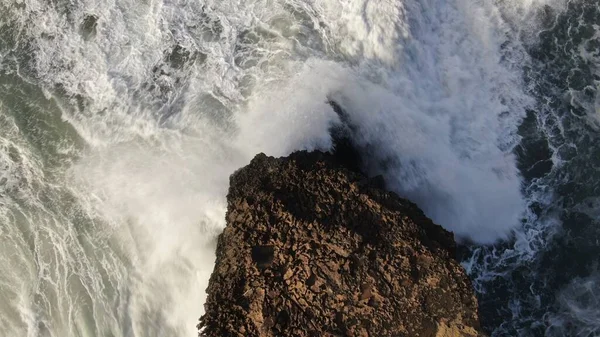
{"type": "Point", "coordinates": [554, 290]}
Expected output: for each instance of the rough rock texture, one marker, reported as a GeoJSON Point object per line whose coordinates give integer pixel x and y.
{"type": "Point", "coordinates": [312, 249]}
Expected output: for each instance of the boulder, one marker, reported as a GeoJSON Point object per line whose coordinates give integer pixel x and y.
{"type": "Point", "coordinates": [314, 249]}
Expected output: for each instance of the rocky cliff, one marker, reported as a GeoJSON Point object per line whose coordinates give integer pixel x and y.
{"type": "Point", "coordinates": [314, 249]}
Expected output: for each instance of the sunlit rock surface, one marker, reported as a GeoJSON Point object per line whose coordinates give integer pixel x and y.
{"type": "Point", "coordinates": [314, 249]}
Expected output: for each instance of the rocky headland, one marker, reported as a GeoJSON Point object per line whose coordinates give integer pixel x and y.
{"type": "Point", "coordinates": [313, 248]}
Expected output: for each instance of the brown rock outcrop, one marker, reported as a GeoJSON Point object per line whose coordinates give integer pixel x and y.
{"type": "Point", "coordinates": [313, 249]}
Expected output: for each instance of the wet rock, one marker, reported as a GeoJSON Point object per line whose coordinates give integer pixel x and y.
{"type": "Point", "coordinates": [179, 56]}
{"type": "Point", "coordinates": [89, 26]}
{"type": "Point", "coordinates": [314, 249]}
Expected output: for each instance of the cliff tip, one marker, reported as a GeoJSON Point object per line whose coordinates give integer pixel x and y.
{"type": "Point", "coordinates": [312, 248]}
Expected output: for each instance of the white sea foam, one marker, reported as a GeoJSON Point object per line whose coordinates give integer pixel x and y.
{"type": "Point", "coordinates": [578, 309]}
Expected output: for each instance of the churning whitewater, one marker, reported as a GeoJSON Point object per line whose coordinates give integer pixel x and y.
{"type": "Point", "coordinates": [121, 121]}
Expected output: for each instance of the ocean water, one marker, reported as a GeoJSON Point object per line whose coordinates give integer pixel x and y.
{"type": "Point", "coordinates": [121, 121]}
